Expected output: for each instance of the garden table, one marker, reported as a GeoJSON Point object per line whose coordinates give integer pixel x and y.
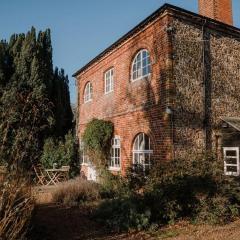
{"type": "Point", "coordinates": [56, 175]}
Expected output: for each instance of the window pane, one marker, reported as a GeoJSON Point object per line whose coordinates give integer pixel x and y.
{"type": "Point", "coordinates": [231, 153]}
{"type": "Point", "coordinates": [144, 54]}
{"type": "Point", "coordinates": [144, 63]}
{"type": "Point", "coordinates": [141, 142]}
{"type": "Point", "coordinates": [232, 169]}
{"type": "Point", "coordinates": [231, 161]}
{"type": "Point", "coordinates": [145, 71]}
{"type": "Point", "coordinates": [135, 158]}
{"type": "Point", "coordinates": [141, 158]}
{"type": "Point", "coordinates": [134, 75]}
{"type": "Point", "coordinates": [138, 66]}
{"type": "Point", "coordinates": [138, 57]}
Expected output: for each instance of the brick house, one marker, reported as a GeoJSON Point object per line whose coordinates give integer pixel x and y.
{"type": "Point", "coordinates": [170, 86]}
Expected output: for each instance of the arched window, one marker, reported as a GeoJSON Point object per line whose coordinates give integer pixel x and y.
{"type": "Point", "coordinates": [142, 150]}
{"type": "Point", "coordinates": [141, 65]}
{"type": "Point", "coordinates": [88, 92]}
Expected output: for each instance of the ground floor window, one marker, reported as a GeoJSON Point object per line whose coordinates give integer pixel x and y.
{"type": "Point", "coordinates": [142, 152]}
{"type": "Point", "coordinates": [231, 161]}
{"type": "Point", "coordinates": [115, 154]}
{"type": "Point", "coordinates": [84, 159]}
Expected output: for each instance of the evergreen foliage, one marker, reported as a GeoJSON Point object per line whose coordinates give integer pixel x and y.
{"type": "Point", "coordinates": [34, 99]}
{"type": "Point", "coordinates": [96, 138]}
{"type": "Point", "coordinates": [60, 152]}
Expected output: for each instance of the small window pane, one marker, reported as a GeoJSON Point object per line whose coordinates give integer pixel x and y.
{"type": "Point", "coordinates": [231, 161]}
{"type": "Point", "coordinates": [231, 153]}
{"type": "Point", "coordinates": [144, 54]}
{"type": "Point", "coordinates": [232, 169]}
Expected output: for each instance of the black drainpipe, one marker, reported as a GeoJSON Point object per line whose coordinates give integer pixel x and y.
{"type": "Point", "coordinates": [207, 88]}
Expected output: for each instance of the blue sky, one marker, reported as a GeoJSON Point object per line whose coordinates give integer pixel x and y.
{"type": "Point", "coordinates": [82, 28]}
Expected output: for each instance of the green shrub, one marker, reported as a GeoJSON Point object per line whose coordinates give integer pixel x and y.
{"type": "Point", "coordinates": [124, 214]}
{"type": "Point", "coordinates": [59, 152]}
{"type": "Point", "coordinates": [137, 177]}
{"type": "Point", "coordinates": [76, 191]}
{"type": "Point", "coordinates": [112, 186]}
{"type": "Point", "coordinates": [216, 210]}
{"type": "Point", "coordinates": [195, 190]}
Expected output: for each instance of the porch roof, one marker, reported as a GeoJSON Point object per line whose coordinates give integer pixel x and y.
{"type": "Point", "coordinates": [233, 122]}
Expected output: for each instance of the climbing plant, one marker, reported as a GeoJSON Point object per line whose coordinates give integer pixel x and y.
{"type": "Point", "coordinates": [97, 140]}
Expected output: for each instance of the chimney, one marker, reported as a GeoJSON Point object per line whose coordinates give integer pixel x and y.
{"type": "Point", "coordinates": [220, 10]}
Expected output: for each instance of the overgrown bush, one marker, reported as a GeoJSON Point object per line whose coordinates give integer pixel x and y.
{"type": "Point", "coordinates": [16, 207]}
{"type": "Point", "coordinates": [195, 190]}
{"type": "Point", "coordinates": [76, 191]}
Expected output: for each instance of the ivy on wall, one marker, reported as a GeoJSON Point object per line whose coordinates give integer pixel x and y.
{"type": "Point", "coordinates": [97, 140]}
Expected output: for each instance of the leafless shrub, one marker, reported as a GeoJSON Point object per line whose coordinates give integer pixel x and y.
{"type": "Point", "coordinates": [16, 207]}
{"type": "Point", "coordinates": [76, 191]}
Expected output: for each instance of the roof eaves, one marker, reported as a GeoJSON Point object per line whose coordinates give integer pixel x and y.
{"type": "Point", "coordinates": [146, 21]}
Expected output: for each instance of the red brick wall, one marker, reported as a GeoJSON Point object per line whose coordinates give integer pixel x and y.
{"type": "Point", "coordinates": [217, 9]}
{"type": "Point", "coordinates": [133, 107]}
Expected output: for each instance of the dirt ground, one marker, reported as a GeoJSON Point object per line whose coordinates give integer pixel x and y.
{"type": "Point", "coordinates": [53, 222]}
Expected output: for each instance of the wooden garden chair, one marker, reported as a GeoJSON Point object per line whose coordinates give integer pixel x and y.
{"type": "Point", "coordinates": [40, 176]}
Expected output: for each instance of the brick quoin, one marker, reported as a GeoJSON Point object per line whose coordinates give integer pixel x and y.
{"type": "Point", "coordinates": [220, 10]}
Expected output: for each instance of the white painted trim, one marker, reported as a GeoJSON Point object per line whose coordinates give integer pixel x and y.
{"type": "Point", "coordinates": [141, 78]}
{"type": "Point", "coordinates": [111, 72]}
{"type": "Point", "coordinates": [114, 168]}
{"type": "Point", "coordinates": [117, 169]}
{"type": "Point", "coordinates": [141, 63]}
{"type": "Point", "coordinates": [225, 149]}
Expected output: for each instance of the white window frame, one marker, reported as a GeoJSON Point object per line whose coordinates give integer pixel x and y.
{"type": "Point", "coordinates": [109, 81]}
{"type": "Point", "coordinates": [115, 144]}
{"type": "Point", "coordinates": [139, 152]}
{"type": "Point", "coordinates": [139, 70]}
{"type": "Point", "coordinates": [84, 158]}
{"type": "Point", "coordinates": [225, 149]}
{"type": "Point", "coordinates": [88, 92]}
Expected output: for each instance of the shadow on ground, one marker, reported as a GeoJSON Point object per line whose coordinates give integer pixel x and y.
{"type": "Point", "coordinates": [53, 222]}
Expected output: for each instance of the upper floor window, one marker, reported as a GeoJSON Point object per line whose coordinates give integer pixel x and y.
{"type": "Point", "coordinates": [142, 151]}
{"type": "Point", "coordinates": [88, 92]}
{"type": "Point", "coordinates": [109, 81]}
{"type": "Point", "coordinates": [115, 154]}
{"type": "Point", "coordinates": [141, 65]}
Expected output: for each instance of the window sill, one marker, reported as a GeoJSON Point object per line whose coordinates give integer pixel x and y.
{"type": "Point", "coordinates": [108, 93]}
{"type": "Point", "coordinates": [88, 101]}
{"type": "Point", "coordinates": [84, 164]}
{"type": "Point", "coordinates": [146, 77]}
{"type": "Point", "coordinates": [115, 169]}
